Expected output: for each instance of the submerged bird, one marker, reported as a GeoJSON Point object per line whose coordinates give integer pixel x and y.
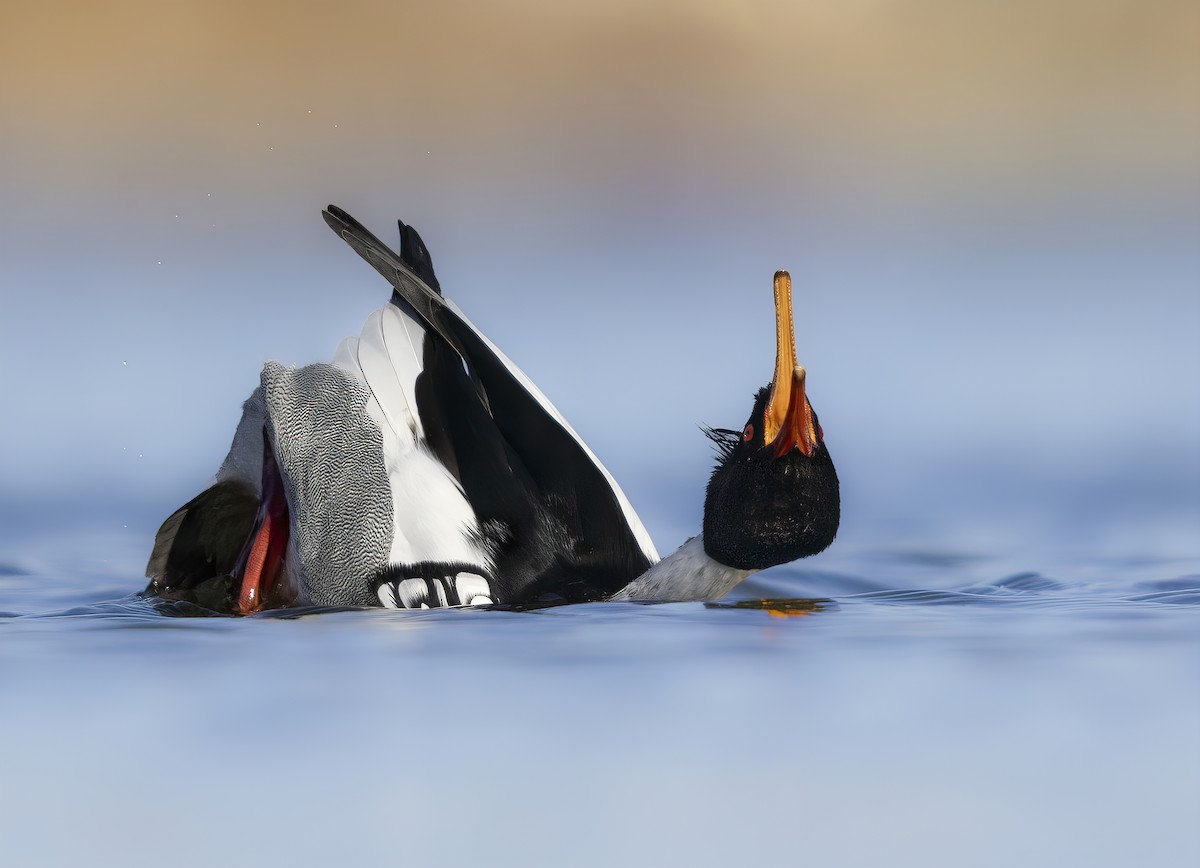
{"type": "Point", "coordinates": [422, 468]}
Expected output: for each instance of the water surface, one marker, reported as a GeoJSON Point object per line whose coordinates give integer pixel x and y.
{"type": "Point", "coordinates": [884, 706]}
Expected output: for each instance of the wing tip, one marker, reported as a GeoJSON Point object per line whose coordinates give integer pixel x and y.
{"type": "Point", "coordinates": [337, 219]}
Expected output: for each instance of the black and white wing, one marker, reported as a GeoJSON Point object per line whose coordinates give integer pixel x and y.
{"type": "Point", "coordinates": [521, 498]}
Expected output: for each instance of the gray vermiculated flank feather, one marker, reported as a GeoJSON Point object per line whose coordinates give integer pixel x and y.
{"type": "Point", "coordinates": [244, 461]}
{"type": "Point", "coordinates": [330, 455]}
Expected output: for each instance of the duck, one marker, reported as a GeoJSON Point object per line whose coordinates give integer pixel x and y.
{"type": "Point", "coordinates": [421, 468]}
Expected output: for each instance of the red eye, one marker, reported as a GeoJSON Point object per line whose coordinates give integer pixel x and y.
{"type": "Point", "coordinates": [748, 434]}
{"type": "Point", "coordinates": [820, 433]}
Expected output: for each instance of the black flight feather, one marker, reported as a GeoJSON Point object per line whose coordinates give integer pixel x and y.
{"type": "Point", "coordinates": [416, 256]}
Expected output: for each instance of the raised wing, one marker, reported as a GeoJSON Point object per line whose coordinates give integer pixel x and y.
{"type": "Point", "coordinates": [557, 522]}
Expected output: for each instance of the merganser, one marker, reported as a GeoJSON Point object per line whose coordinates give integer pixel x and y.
{"type": "Point", "coordinates": [422, 468]}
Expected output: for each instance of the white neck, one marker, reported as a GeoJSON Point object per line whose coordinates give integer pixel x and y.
{"type": "Point", "coordinates": [688, 574]}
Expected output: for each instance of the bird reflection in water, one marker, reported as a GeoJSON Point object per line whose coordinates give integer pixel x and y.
{"type": "Point", "coordinates": [792, 608]}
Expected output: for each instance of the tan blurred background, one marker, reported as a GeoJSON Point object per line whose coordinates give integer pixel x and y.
{"type": "Point", "coordinates": [992, 209]}
{"type": "Point", "coordinates": [769, 94]}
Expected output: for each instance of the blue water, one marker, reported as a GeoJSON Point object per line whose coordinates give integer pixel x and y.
{"type": "Point", "coordinates": [888, 706]}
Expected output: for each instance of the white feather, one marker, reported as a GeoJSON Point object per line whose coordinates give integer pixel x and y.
{"type": "Point", "coordinates": [432, 519]}
{"type": "Point", "coordinates": [473, 590]}
{"type": "Point", "coordinates": [404, 339]}
{"type": "Point", "coordinates": [413, 593]}
{"type": "Point", "coordinates": [387, 595]}
{"type": "Point", "coordinates": [392, 380]}
{"type": "Point", "coordinates": [346, 358]}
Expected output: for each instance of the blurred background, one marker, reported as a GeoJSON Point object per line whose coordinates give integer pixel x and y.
{"type": "Point", "coordinates": [991, 212]}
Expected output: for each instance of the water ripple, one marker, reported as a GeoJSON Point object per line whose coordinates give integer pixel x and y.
{"type": "Point", "coordinates": [787, 592]}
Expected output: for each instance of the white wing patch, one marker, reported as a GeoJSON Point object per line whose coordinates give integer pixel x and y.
{"type": "Point", "coordinates": [391, 366]}
{"type": "Point", "coordinates": [432, 520]}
